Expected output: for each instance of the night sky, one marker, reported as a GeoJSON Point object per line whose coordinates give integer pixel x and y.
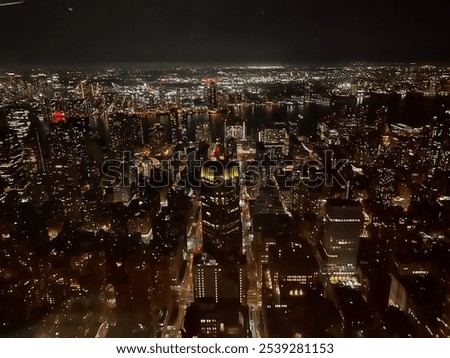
{"type": "Point", "coordinates": [223, 31]}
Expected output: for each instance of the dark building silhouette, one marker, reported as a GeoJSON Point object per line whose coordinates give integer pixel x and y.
{"type": "Point", "coordinates": [208, 319]}
{"type": "Point", "coordinates": [292, 270]}
{"type": "Point", "coordinates": [221, 214]}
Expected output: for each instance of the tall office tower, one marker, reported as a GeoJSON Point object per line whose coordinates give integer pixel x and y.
{"type": "Point", "coordinates": [211, 92]}
{"type": "Point", "coordinates": [125, 133]}
{"type": "Point", "coordinates": [433, 85]}
{"type": "Point", "coordinates": [66, 143]}
{"type": "Point", "coordinates": [343, 224]}
{"type": "Point", "coordinates": [436, 153]}
{"type": "Point", "coordinates": [234, 133]}
{"type": "Point", "coordinates": [184, 127]}
{"type": "Point", "coordinates": [67, 155]}
{"type": "Point", "coordinates": [174, 126]}
{"type": "Point", "coordinates": [380, 121]}
{"type": "Point", "coordinates": [383, 185]}
{"type": "Point", "coordinates": [307, 94]}
{"type": "Point", "coordinates": [162, 102]}
{"type": "Point", "coordinates": [59, 143]}
{"type": "Point", "coordinates": [221, 214]}
{"type": "Point", "coordinates": [11, 171]}
{"type": "Point", "coordinates": [19, 120]}
{"type": "Point", "coordinates": [157, 138]}
{"type": "Point", "coordinates": [178, 97]}
{"type": "Point", "coordinates": [220, 280]}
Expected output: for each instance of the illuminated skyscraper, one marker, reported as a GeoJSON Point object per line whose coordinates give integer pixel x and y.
{"type": "Point", "coordinates": [221, 214]}
{"type": "Point", "coordinates": [174, 126]}
{"type": "Point", "coordinates": [66, 144]}
{"type": "Point", "coordinates": [19, 120]}
{"type": "Point", "coordinates": [384, 185]}
{"type": "Point", "coordinates": [212, 92]}
{"type": "Point", "coordinates": [343, 224]}
{"type": "Point", "coordinates": [157, 137]}
{"type": "Point", "coordinates": [11, 171]}
{"type": "Point", "coordinates": [184, 127]}
{"type": "Point", "coordinates": [125, 133]}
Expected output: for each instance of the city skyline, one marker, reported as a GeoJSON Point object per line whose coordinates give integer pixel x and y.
{"type": "Point", "coordinates": [235, 201]}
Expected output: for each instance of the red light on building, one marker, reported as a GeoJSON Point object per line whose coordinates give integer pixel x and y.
{"type": "Point", "coordinates": [59, 116]}
{"type": "Point", "coordinates": [199, 250]}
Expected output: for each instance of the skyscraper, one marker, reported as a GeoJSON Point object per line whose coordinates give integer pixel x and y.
{"type": "Point", "coordinates": [19, 120]}
{"type": "Point", "coordinates": [343, 224]}
{"type": "Point", "coordinates": [157, 139]}
{"type": "Point", "coordinates": [212, 92]}
{"type": "Point", "coordinates": [68, 155]}
{"type": "Point", "coordinates": [221, 214]}
{"type": "Point", "coordinates": [11, 171]}
{"type": "Point", "coordinates": [125, 133]}
{"type": "Point", "coordinates": [174, 125]}
{"type": "Point", "coordinates": [220, 280]}
{"type": "Point", "coordinates": [66, 144]}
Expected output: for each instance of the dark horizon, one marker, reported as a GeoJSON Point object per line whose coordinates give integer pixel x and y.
{"type": "Point", "coordinates": [199, 31]}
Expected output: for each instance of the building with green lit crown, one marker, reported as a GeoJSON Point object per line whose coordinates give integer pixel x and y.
{"type": "Point", "coordinates": [221, 214]}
